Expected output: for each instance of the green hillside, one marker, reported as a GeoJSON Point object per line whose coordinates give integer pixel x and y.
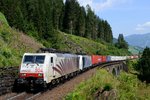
{"type": "Point", "coordinates": [76, 44]}
{"type": "Point", "coordinates": [135, 50]}
{"type": "Point", "coordinates": [13, 44]}
{"type": "Point", "coordinates": [3, 19]}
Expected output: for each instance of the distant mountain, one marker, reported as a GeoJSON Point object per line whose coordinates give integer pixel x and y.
{"type": "Point", "coordinates": [135, 50]}
{"type": "Point", "coordinates": [140, 40]}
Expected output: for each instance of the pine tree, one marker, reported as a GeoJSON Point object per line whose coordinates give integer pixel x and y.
{"type": "Point", "coordinates": [61, 19]}
{"type": "Point", "coordinates": [48, 26]}
{"type": "Point", "coordinates": [70, 18]}
{"type": "Point", "coordinates": [121, 42]}
{"type": "Point", "coordinates": [81, 22]}
{"type": "Point", "coordinates": [95, 27]}
{"type": "Point", "coordinates": [89, 22]}
{"type": "Point", "coordinates": [100, 34]}
{"type": "Point", "coordinates": [39, 18]}
{"type": "Point", "coordinates": [143, 65]}
{"type": "Point", "coordinates": [20, 19]}
{"type": "Point", "coordinates": [8, 7]}
{"type": "Point", "coordinates": [107, 32]}
{"type": "Point", "coordinates": [57, 8]}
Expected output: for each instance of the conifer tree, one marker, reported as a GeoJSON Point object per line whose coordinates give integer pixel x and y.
{"type": "Point", "coordinates": [100, 34]}
{"type": "Point", "coordinates": [81, 22]}
{"type": "Point", "coordinates": [143, 65]}
{"type": "Point", "coordinates": [121, 42]}
{"type": "Point", "coordinates": [57, 8]}
{"type": "Point", "coordinates": [107, 32]}
{"type": "Point", "coordinates": [39, 18]}
{"type": "Point", "coordinates": [48, 26]}
{"type": "Point", "coordinates": [70, 18]}
{"type": "Point", "coordinates": [89, 22]}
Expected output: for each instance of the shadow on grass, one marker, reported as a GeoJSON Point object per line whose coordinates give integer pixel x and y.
{"type": "Point", "coordinates": [142, 78]}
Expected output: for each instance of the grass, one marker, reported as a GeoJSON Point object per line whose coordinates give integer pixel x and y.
{"type": "Point", "coordinates": [76, 44]}
{"type": "Point", "coordinates": [85, 91]}
{"type": "Point", "coordinates": [126, 85]}
{"type": "Point", "coordinates": [3, 19]}
{"type": "Point", "coordinates": [13, 45]}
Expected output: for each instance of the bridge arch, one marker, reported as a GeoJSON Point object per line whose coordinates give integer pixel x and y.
{"type": "Point", "coordinates": [114, 71]}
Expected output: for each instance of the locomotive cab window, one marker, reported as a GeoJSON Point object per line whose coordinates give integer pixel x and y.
{"type": "Point", "coordinates": [34, 59]}
{"type": "Point", "coordinates": [28, 59]}
{"type": "Point", "coordinates": [39, 59]}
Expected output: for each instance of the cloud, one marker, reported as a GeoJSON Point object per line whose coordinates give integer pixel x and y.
{"type": "Point", "coordinates": [85, 2]}
{"type": "Point", "coordinates": [143, 27]}
{"type": "Point", "coordinates": [104, 5]}
{"type": "Point", "coordinates": [100, 5]}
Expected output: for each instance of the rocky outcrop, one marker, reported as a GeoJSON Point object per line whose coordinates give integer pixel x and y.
{"type": "Point", "coordinates": [102, 94]}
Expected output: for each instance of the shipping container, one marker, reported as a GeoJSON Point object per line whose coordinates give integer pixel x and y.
{"type": "Point", "coordinates": [113, 58]}
{"type": "Point", "coordinates": [103, 58]}
{"type": "Point", "coordinates": [96, 59]}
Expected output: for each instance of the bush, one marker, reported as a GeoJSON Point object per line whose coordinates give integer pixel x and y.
{"type": "Point", "coordinates": [6, 52]}
{"type": "Point", "coordinates": [101, 80]}
{"type": "Point", "coordinates": [5, 35]}
{"type": "Point", "coordinates": [131, 65]}
{"type": "Point", "coordinates": [127, 87]}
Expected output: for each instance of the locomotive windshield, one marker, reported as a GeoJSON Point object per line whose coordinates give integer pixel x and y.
{"type": "Point", "coordinates": [34, 59]}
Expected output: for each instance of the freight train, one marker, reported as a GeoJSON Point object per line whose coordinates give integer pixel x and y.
{"type": "Point", "coordinates": [46, 68]}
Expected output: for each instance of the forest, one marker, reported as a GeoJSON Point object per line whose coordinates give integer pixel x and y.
{"type": "Point", "coordinates": [40, 19]}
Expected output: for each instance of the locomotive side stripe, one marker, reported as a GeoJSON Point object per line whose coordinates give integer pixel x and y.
{"type": "Point", "coordinates": [62, 65]}
{"type": "Point", "coordinates": [57, 70]}
{"type": "Point", "coordinates": [60, 68]}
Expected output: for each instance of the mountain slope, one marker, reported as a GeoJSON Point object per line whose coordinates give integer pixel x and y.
{"type": "Point", "coordinates": [13, 44]}
{"type": "Point", "coordinates": [135, 50]}
{"type": "Point", "coordinates": [141, 40]}
{"type": "Point", "coordinates": [76, 44]}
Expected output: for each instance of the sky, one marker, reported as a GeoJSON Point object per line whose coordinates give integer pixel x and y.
{"type": "Point", "coordinates": [125, 16]}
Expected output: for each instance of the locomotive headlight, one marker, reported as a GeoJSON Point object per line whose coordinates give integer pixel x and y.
{"type": "Point", "coordinates": [40, 75]}
{"type": "Point", "coordinates": [23, 74]}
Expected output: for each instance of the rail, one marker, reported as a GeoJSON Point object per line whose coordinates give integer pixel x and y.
{"type": "Point", "coordinates": [9, 75]}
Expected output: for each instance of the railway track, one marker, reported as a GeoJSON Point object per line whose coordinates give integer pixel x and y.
{"type": "Point", "coordinates": [110, 63]}
{"type": "Point", "coordinates": [21, 96]}
{"type": "Point", "coordinates": [58, 88]}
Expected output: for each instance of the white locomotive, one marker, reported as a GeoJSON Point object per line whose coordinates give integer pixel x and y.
{"type": "Point", "coordinates": [40, 69]}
